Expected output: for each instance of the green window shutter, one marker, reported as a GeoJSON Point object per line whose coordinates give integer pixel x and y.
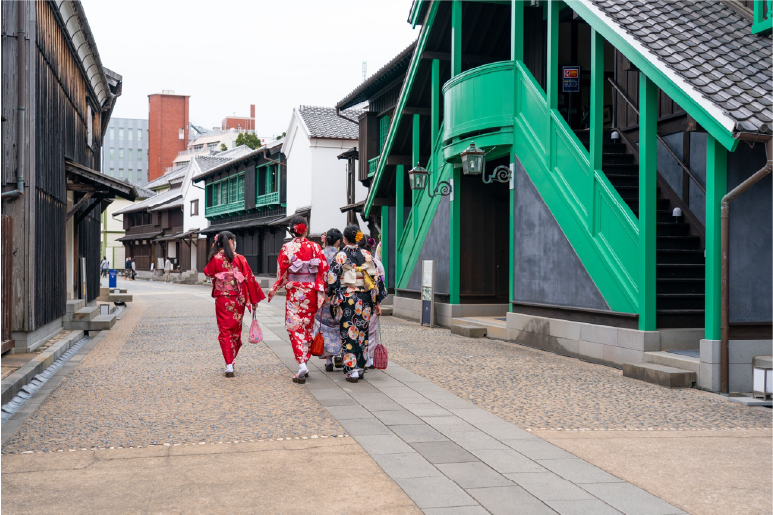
{"type": "Point", "coordinates": [216, 194]}
{"type": "Point", "coordinates": [270, 179]}
{"type": "Point", "coordinates": [232, 189]}
{"type": "Point", "coordinates": [240, 188]}
{"type": "Point", "coordinates": [208, 196]}
{"type": "Point", "coordinates": [383, 130]}
{"type": "Point", "coordinates": [224, 192]}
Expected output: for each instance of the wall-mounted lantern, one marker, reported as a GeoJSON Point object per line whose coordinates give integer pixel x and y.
{"type": "Point", "coordinates": [418, 180]}
{"type": "Point", "coordinates": [474, 163]}
{"type": "Point", "coordinates": [473, 160]}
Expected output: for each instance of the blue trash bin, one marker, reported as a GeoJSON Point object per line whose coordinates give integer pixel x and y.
{"type": "Point", "coordinates": [113, 278]}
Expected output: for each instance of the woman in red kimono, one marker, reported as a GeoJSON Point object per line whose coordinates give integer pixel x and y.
{"type": "Point", "coordinates": [302, 270]}
{"type": "Point", "coordinates": [233, 286]}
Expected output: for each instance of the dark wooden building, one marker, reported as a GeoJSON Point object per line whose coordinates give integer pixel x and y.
{"type": "Point", "coordinates": [56, 103]}
{"type": "Point", "coordinates": [248, 196]}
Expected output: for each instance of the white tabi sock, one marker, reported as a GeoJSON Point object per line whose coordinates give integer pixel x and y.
{"type": "Point", "coordinates": [329, 360]}
{"type": "Point", "coordinates": [302, 369]}
{"type": "Point", "coordinates": [369, 362]}
{"type": "Point", "coordinates": [229, 368]}
{"type": "Point", "coordinates": [354, 374]}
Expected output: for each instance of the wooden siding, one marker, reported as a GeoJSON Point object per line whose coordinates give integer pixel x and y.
{"type": "Point", "coordinates": [6, 268]}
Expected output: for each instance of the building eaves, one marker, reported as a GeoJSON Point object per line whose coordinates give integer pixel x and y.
{"type": "Point", "coordinates": [324, 122]}
{"type": "Point", "coordinates": [154, 201]}
{"type": "Point", "coordinates": [384, 75]}
{"type": "Point", "coordinates": [709, 45]}
{"type": "Point", "coordinates": [210, 166]}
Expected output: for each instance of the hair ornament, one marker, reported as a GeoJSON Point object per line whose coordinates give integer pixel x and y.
{"type": "Point", "coordinates": [216, 237]}
{"type": "Point", "coordinates": [300, 229]}
{"type": "Point", "coordinates": [358, 236]}
{"type": "Point", "coordinates": [371, 242]}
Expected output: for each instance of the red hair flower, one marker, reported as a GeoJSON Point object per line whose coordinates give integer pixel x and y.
{"type": "Point", "coordinates": [300, 229]}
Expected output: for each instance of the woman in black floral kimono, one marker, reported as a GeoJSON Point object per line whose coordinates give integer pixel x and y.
{"type": "Point", "coordinates": [355, 290]}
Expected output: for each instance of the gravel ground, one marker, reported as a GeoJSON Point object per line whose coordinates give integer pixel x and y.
{"type": "Point", "coordinates": [157, 377]}
{"type": "Point", "coordinates": [540, 390]}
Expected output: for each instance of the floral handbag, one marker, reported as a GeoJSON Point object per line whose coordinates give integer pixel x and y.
{"type": "Point", "coordinates": [256, 335]}
{"type": "Point", "coordinates": [380, 355]}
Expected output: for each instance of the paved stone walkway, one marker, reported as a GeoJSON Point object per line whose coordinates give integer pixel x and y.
{"type": "Point", "coordinates": [451, 456]}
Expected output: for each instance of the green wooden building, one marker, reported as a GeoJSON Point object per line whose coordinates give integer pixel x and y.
{"type": "Point", "coordinates": [612, 131]}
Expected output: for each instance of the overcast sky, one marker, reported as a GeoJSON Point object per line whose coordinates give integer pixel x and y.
{"type": "Point", "coordinates": [227, 55]}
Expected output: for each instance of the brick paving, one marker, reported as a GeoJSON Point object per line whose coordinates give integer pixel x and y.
{"type": "Point", "coordinates": [538, 390]}
{"type": "Point", "coordinates": [157, 377]}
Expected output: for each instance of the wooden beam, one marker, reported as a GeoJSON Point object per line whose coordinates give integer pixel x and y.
{"type": "Point", "coordinates": [80, 216]}
{"type": "Point", "coordinates": [77, 206]}
{"type": "Point", "coordinates": [423, 111]}
{"type": "Point", "coordinates": [648, 197]}
{"type": "Point", "coordinates": [399, 160]}
{"type": "Point", "coordinates": [71, 186]}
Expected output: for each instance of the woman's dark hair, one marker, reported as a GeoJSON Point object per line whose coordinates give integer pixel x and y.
{"type": "Point", "coordinates": [363, 243]}
{"type": "Point", "coordinates": [332, 236]}
{"type": "Point", "coordinates": [294, 221]}
{"type": "Point", "coordinates": [350, 233]}
{"type": "Point", "coordinates": [221, 243]}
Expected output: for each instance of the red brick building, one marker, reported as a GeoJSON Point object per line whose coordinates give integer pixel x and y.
{"type": "Point", "coordinates": [167, 130]}
{"type": "Point", "coordinates": [240, 123]}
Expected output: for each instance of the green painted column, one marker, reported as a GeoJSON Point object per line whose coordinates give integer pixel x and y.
{"type": "Point", "coordinates": [516, 51]}
{"type": "Point", "coordinates": [648, 202]}
{"type": "Point", "coordinates": [456, 38]}
{"type": "Point", "coordinates": [516, 55]}
{"type": "Point", "coordinates": [716, 188]}
{"type": "Point", "coordinates": [399, 217]}
{"type": "Point", "coordinates": [416, 156]}
{"type": "Point", "coordinates": [596, 118]}
{"type": "Point", "coordinates": [435, 114]}
{"type": "Point", "coordinates": [385, 242]}
{"type": "Point", "coordinates": [455, 237]}
{"type": "Point", "coordinates": [552, 71]}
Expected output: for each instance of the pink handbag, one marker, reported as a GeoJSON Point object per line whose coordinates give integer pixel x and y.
{"type": "Point", "coordinates": [256, 335]}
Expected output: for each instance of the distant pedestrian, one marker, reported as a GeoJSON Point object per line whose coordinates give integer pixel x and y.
{"type": "Point", "coordinates": [328, 326]}
{"type": "Point", "coordinates": [233, 287]}
{"type": "Point", "coordinates": [356, 290]}
{"type": "Point", "coordinates": [134, 269]}
{"type": "Point", "coordinates": [104, 265]}
{"type": "Point", "coordinates": [167, 270]}
{"type": "Point", "coordinates": [302, 271]}
{"type": "Point", "coordinates": [127, 267]}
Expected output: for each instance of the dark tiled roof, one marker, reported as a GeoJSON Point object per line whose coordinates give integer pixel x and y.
{"type": "Point", "coordinates": [207, 163]}
{"type": "Point", "coordinates": [711, 47]}
{"type": "Point", "coordinates": [387, 73]}
{"type": "Point", "coordinates": [324, 123]}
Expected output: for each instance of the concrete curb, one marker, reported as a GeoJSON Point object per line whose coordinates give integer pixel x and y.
{"type": "Point", "coordinates": [13, 383]}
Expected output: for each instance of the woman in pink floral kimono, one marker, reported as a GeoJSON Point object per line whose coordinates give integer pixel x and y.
{"type": "Point", "coordinates": [233, 287]}
{"type": "Point", "coordinates": [302, 271]}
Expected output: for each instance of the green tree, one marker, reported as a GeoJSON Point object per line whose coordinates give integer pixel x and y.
{"type": "Point", "coordinates": [251, 140]}
{"type": "Point", "coordinates": [223, 147]}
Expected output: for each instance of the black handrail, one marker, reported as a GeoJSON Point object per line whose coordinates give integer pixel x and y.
{"type": "Point", "coordinates": [679, 161]}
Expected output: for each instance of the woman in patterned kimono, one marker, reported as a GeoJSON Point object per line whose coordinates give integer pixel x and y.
{"type": "Point", "coordinates": [302, 270]}
{"type": "Point", "coordinates": [233, 287]}
{"type": "Point", "coordinates": [356, 291]}
{"type": "Point", "coordinates": [328, 325]}
{"type": "Point", "coordinates": [374, 318]}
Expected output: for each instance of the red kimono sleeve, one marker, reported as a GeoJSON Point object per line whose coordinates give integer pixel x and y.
{"type": "Point", "coordinates": [254, 291]}
{"type": "Point", "coordinates": [283, 264]}
{"type": "Point", "coordinates": [211, 269]}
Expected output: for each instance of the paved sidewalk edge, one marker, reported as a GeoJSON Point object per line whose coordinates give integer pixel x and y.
{"type": "Point", "coordinates": [13, 383]}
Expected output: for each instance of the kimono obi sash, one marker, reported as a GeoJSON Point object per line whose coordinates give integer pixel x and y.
{"type": "Point", "coordinates": [228, 283]}
{"type": "Point", "coordinates": [359, 276]}
{"type": "Point", "coordinates": [303, 271]}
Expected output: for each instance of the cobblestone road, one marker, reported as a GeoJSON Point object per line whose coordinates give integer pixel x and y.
{"type": "Point", "coordinates": [539, 390]}
{"type": "Point", "coordinates": [157, 377]}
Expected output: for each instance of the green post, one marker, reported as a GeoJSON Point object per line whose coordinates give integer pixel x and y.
{"type": "Point", "coordinates": [648, 202]}
{"type": "Point", "coordinates": [416, 156]}
{"type": "Point", "coordinates": [455, 237]}
{"type": "Point", "coordinates": [716, 188]}
{"type": "Point", "coordinates": [435, 114]}
{"type": "Point", "coordinates": [399, 218]}
{"type": "Point", "coordinates": [456, 38]}
{"type": "Point", "coordinates": [385, 243]}
{"type": "Point", "coordinates": [517, 31]}
{"type": "Point", "coordinates": [552, 71]}
{"type": "Point", "coordinates": [596, 117]}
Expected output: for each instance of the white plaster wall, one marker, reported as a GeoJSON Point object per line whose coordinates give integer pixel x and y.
{"type": "Point", "coordinates": [299, 166]}
{"type": "Point", "coordinates": [328, 184]}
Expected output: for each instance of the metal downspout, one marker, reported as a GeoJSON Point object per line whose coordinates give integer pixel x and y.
{"type": "Point", "coordinates": [724, 358]}
{"type": "Point", "coordinates": [21, 55]}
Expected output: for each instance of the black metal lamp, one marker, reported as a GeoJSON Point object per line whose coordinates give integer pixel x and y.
{"type": "Point", "coordinates": [473, 160]}
{"type": "Point", "coordinates": [418, 179]}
